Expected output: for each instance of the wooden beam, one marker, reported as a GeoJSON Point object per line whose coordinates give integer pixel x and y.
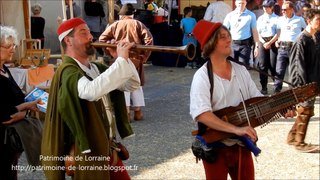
{"type": "Point", "coordinates": [63, 3]}
{"type": "Point", "coordinates": [71, 8]}
{"type": "Point", "coordinates": [111, 11]}
{"type": "Point", "coordinates": [26, 16]}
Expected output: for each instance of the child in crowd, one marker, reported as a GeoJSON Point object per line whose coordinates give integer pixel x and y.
{"type": "Point", "coordinates": [186, 25]}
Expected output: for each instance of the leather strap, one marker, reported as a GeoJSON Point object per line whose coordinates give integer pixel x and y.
{"type": "Point", "coordinates": [257, 70]}
{"type": "Point", "coordinates": [202, 127]}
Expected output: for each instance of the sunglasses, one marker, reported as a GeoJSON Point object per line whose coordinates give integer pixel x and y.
{"type": "Point", "coordinates": [284, 9]}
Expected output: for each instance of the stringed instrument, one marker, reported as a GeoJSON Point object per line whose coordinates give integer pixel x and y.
{"type": "Point", "coordinates": [261, 110]}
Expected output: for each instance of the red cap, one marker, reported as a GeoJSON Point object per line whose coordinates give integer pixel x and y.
{"type": "Point", "coordinates": [204, 30]}
{"type": "Point", "coordinates": [67, 26]}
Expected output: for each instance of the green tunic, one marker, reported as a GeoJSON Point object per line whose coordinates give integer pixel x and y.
{"type": "Point", "coordinates": [70, 119]}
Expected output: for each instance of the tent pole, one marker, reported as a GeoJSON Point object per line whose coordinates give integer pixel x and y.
{"type": "Point", "coordinates": [26, 19]}
{"type": "Point", "coordinates": [111, 11]}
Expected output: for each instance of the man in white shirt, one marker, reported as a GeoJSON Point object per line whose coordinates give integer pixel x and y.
{"type": "Point", "coordinates": [217, 11]}
{"type": "Point", "coordinates": [242, 24]}
{"type": "Point", "coordinates": [288, 29]}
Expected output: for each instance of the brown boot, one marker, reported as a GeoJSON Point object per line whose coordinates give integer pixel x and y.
{"type": "Point", "coordinates": [303, 118]}
{"type": "Point", "coordinates": [307, 148]}
{"type": "Point", "coordinates": [138, 115]}
{"type": "Point", "coordinates": [292, 133]}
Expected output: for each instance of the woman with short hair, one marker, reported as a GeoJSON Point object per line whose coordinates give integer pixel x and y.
{"type": "Point", "coordinates": [12, 106]}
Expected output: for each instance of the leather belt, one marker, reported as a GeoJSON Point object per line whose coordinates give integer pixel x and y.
{"type": "Point", "coordinates": [267, 39]}
{"type": "Point", "coordinates": [286, 44]}
{"type": "Point", "coordinates": [189, 35]}
{"type": "Point", "coordinates": [243, 42]}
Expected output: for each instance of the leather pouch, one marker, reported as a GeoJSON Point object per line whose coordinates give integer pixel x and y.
{"type": "Point", "coordinates": [122, 151]}
{"type": "Point", "coordinates": [203, 152]}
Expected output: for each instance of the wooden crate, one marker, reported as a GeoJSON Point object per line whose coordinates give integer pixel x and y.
{"type": "Point", "coordinates": [36, 57]}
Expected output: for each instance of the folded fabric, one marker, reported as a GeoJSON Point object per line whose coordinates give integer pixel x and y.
{"type": "Point", "coordinates": [40, 74]}
{"type": "Point", "coordinates": [30, 132]}
{"type": "Point", "coordinates": [245, 140]}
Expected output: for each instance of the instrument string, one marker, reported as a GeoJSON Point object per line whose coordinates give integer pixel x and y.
{"type": "Point", "coordinates": [265, 111]}
{"type": "Point", "coordinates": [275, 106]}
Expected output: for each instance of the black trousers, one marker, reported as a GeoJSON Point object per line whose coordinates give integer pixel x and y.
{"type": "Point", "coordinates": [266, 62]}
{"type": "Point", "coordinates": [8, 160]}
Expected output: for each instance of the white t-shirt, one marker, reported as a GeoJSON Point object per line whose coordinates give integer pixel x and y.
{"type": "Point", "coordinates": [217, 11]}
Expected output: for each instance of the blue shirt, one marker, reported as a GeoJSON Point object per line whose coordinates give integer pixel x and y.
{"type": "Point", "coordinates": [267, 25]}
{"type": "Point", "coordinates": [290, 28]}
{"type": "Point", "coordinates": [188, 24]}
{"type": "Point", "coordinates": [240, 24]}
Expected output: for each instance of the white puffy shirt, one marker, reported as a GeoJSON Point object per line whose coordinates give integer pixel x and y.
{"type": "Point", "coordinates": [120, 75]}
{"type": "Point", "coordinates": [225, 93]}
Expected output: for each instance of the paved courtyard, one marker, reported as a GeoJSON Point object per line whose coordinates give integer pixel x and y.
{"type": "Point", "coordinates": [161, 146]}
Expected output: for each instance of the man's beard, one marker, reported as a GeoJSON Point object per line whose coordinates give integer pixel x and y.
{"type": "Point", "coordinates": [90, 50]}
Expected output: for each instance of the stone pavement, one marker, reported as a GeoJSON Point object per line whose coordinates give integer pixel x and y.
{"type": "Point", "coordinates": [161, 146]}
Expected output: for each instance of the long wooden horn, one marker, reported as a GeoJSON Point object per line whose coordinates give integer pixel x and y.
{"type": "Point", "coordinates": [188, 50]}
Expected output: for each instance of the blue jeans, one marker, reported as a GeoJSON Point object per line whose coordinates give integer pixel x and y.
{"type": "Point", "coordinates": [281, 66]}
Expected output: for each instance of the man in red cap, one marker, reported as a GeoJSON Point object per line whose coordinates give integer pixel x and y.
{"type": "Point", "coordinates": [86, 104]}
{"type": "Point", "coordinates": [231, 84]}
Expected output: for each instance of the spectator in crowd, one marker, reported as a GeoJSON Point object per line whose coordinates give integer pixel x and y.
{"type": "Point", "coordinates": [186, 25]}
{"type": "Point", "coordinates": [76, 9]}
{"type": "Point", "coordinates": [131, 30]}
{"type": "Point", "coordinates": [277, 8]}
{"type": "Point", "coordinates": [267, 30]}
{"type": "Point", "coordinates": [303, 69]}
{"type": "Point", "coordinates": [13, 108]}
{"type": "Point", "coordinates": [37, 24]}
{"type": "Point", "coordinates": [298, 5]}
{"type": "Point", "coordinates": [255, 6]}
{"type": "Point", "coordinates": [151, 6]}
{"type": "Point", "coordinates": [86, 106]}
{"type": "Point", "coordinates": [242, 24]}
{"type": "Point", "coordinates": [94, 16]}
{"type": "Point", "coordinates": [172, 10]}
{"type": "Point", "coordinates": [217, 11]}
{"type": "Point", "coordinates": [304, 9]}
{"type": "Point", "coordinates": [288, 29]}
{"type": "Point", "coordinates": [315, 4]}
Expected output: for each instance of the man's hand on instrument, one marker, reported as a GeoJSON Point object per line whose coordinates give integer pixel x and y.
{"type": "Point", "coordinates": [290, 114]}
{"type": "Point", "coordinates": [112, 51]}
{"type": "Point", "coordinates": [123, 49]}
{"type": "Point", "coordinates": [247, 131]}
